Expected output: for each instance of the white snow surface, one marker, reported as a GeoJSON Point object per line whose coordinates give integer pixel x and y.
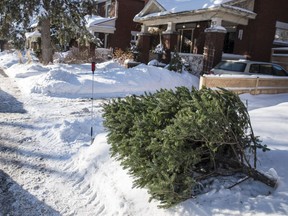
{"type": "Point", "coordinates": [110, 79]}
{"type": "Point", "coordinates": [80, 178]}
{"type": "Point", "coordinates": [95, 20]}
{"type": "Point", "coordinates": [175, 6]}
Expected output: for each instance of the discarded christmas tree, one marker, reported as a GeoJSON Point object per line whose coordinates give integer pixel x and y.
{"type": "Point", "coordinates": [172, 141]}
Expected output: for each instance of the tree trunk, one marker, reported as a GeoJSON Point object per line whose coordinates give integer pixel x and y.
{"type": "Point", "coordinates": [92, 49]}
{"type": "Point", "coordinates": [46, 45]}
{"type": "Point", "coordinates": [253, 173]}
{"type": "Point", "coordinates": [256, 175]}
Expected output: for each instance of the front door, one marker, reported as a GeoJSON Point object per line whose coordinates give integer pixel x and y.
{"type": "Point", "coordinates": [185, 40]}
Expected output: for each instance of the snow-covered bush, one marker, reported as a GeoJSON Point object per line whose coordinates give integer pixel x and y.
{"type": "Point", "coordinates": [159, 49]}
{"type": "Point", "coordinates": [76, 56]}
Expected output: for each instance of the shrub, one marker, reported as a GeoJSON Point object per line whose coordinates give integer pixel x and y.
{"type": "Point", "coordinates": [77, 56]}
{"type": "Point", "coordinates": [121, 56]}
{"type": "Point", "coordinates": [172, 141]}
{"type": "Point", "coordinates": [176, 63]}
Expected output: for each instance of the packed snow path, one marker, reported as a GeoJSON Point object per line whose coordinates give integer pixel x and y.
{"type": "Point", "coordinates": [34, 178]}
{"type": "Point", "coordinates": [15, 199]}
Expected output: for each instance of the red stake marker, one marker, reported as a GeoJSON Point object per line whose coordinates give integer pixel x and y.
{"type": "Point", "coordinates": [93, 67]}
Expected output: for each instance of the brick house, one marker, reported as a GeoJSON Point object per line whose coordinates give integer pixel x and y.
{"type": "Point", "coordinates": [248, 28]}
{"type": "Point", "coordinates": [114, 25]}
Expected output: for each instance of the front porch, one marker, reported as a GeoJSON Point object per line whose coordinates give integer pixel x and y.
{"type": "Point", "coordinates": [101, 28]}
{"type": "Point", "coordinates": [208, 32]}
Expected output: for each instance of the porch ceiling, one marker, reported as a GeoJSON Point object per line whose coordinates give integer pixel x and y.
{"type": "Point", "coordinates": [102, 29]}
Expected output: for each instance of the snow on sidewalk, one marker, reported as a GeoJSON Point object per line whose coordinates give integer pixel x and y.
{"type": "Point", "coordinates": [59, 168]}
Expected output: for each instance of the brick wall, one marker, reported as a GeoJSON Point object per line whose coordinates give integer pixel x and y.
{"type": "Point", "coordinates": [258, 36]}
{"type": "Point", "coordinates": [127, 9]}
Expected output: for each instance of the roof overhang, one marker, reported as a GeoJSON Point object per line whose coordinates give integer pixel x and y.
{"type": "Point", "coordinates": [101, 24]}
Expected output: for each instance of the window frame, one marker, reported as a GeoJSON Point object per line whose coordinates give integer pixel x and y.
{"type": "Point", "coordinates": [281, 33]}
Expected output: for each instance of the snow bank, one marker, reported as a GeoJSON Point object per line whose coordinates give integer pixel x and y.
{"type": "Point", "coordinates": [84, 179]}
{"type": "Point", "coordinates": [109, 80]}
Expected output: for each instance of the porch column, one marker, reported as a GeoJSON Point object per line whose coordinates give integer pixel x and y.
{"type": "Point", "coordinates": [214, 42]}
{"type": "Point", "coordinates": [143, 44]}
{"type": "Point", "coordinates": [2, 45]}
{"type": "Point", "coordinates": [106, 41]}
{"type": "Point", "coordinates": [169, 41]}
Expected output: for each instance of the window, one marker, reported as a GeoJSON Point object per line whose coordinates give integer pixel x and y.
{"type": "Point", "coordinates": [254, 68]}
{"type": "Point", "coordinates": [102, 39]}
{"type": "Point", "coordinates": [267, 69]}
{"type": "Point", "coordinates": [279, 71]}
{"type": "Point", "coordinates": [134, 37]}
{"type": "Point", "coordinates": [261, 69]}
{"type": "Point", "coordinates": [231, 66]}
{"type": "Point", "coordinates": [108, 8]}
{"type": "Point", "coordinates": [281, 34]}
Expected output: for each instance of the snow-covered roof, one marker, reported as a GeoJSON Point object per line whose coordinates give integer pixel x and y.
{"type": "Point", "coordinates": [160, 8]}
{"type": "Point", "coordinates": [96, 20]}
{"type": "Point", "coordinates": [34, 34]}
{"type": "Point", "coordinates": [100, 24]}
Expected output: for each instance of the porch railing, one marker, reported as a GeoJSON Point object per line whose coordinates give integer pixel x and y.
{"type": "Point", "coordinates": [193, 62]}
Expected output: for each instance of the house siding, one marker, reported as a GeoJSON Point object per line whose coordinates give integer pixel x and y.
{"type": "Point", "coordinates": [127, 9]}
{"type": "Point", "coordinates": [258, 36]}
{"type": "Point", "coordinates": [254, 40]}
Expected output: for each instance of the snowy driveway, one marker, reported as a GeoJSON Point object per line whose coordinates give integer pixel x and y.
{"type": "Point", "coordinates": [34, 179]}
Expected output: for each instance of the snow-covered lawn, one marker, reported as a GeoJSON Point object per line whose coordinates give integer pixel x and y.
{"type": "Point", "coordinates": [80, 178]}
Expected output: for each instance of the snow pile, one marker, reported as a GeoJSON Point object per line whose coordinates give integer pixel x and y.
{"type": "Point", "coordinates": [74, 131]}
{"type": "Point", "coordinates": [110, 79]}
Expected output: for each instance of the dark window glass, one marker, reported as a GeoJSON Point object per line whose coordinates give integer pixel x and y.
{"type": "Point", "coordinates": [254, 68]}
{"type": "Point", "coordinates": [279, 71]}
{"type": "Point", "coordinates": [185, 40]}
{"type": "Point", "coordinates": [266, 69]}
{"type": "Point", "coordinates": [232, 66]}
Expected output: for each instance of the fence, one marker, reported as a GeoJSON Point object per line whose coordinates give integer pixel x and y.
{"type": "Point", "coordinates": [252, 85]}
